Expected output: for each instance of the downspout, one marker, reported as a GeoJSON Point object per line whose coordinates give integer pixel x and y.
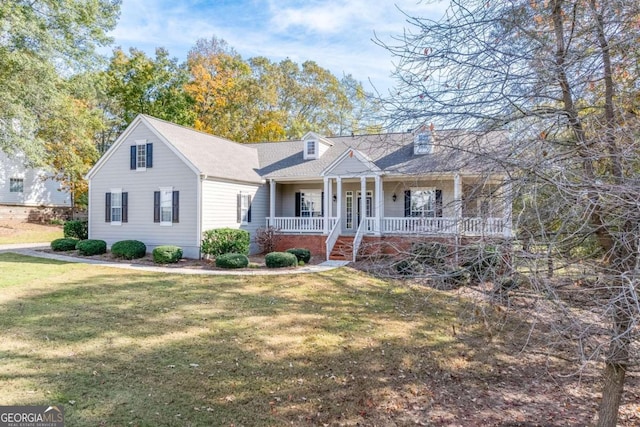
{"type": "Point", "coordinates": [201, 178]}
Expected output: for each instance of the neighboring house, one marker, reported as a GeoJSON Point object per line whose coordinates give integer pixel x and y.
{"type": "Point", "coordinates": [165, 184]}
{"type": "Point", "coordinates": [24, 189]}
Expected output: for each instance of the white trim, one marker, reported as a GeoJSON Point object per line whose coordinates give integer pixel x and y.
{"type": "Point", "coordinates": [373, 169]}
{"type": "Point", "coordinates": [170, 191]}
{"type": "Point", "coordinates": [115, 191]}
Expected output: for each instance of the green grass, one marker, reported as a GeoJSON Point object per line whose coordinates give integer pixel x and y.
{"type": "Point", "coordinates": [31, 233]}
{"type": "Point", "coordinates": [120, 348]}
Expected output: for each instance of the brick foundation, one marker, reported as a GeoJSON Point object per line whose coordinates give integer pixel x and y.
{"type": "Point", "coordinates": [315, 243]}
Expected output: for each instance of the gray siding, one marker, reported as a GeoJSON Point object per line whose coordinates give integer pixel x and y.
{"type": "Point", "coordinates": [220, 206]}
{"type": "Point", "coordinates": [168, 171]}
{"type": "Point", "coordinates": [39, 189]}
{"type": "Point", "coordinates": [349, 166]}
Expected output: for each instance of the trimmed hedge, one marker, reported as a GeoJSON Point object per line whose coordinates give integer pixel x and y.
{"type": "Point", "coordinates": [76, 229]}
{"type": "Point", "coordinates": [90, 247]}
{"type": "Point", "coordinates": [225, 240]}
{"type": "Point", "coordinates": [129, 249]}
{"type": "Point", "coordinates": [280, 259]}
{"type": "Point", "coordinates": [232, 260]}
{"type": "Point", "coordinates": [65, 244]}
{"type": "Point", "coordinates": [301, 254]}
{"type": "Point", "coordinates": [166, 254]}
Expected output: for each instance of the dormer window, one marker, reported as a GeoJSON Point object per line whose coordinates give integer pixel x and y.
{"type": "Point", "coordinates": [422, 143]}
{"type": "Point", "coordinates": [311, 149]}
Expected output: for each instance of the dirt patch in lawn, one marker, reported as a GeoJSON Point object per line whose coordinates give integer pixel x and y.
{"type": "Point", "coordinates": [13, 231]}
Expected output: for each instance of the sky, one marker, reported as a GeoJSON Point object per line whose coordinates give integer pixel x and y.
{"type": "Point", "coordinates": [336, 34]}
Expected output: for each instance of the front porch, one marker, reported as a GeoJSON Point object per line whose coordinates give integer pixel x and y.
{"type": "Point", "coordinates": [441, 206]}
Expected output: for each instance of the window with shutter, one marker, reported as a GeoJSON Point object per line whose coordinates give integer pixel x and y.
{"type": "Point", "coordinates": [141, 156]}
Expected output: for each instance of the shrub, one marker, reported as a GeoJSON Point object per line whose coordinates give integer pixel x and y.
{"type": "Point", "coordinates": [280, 259]}
{"type": "Point", "coordinates": [430, 253]}
{"type": "Point", "coordinates": [456, 278]}
{"type": "Point", "coordinates": [166, 254]}
{"type": "Point", "coordinates": [76, 229]}
{"type": "Point", "coordinates": [232, 260]}
{"type": "Point", "coordinates": [90, 247]}
{"type": "Point", "coordinates": [64, 244]}
{"type": "Point", "coordinates": [267, 238]}
{"type": "Point", "coordinates": [301, 254]}
{"type": "Point", "coordinates": [225, 240]}
{"type": "Point", "coordinates": [129, 249]}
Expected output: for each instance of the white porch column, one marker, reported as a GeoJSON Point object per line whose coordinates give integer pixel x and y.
{"type": "Point", "coordinates": [363, 198]}
{"type": "Point", "coordinates": [325, 203]}
{"type": "Point", "coordinates": [339, 194]}
{"type": "Point", "coordinates": [457, 200]}
{"type": "Point", "coordinates": [272, 202]}
{"type": "Point", "coordinates": [379, 197]}
{"type": "Point", "coordinates": [507, 209]}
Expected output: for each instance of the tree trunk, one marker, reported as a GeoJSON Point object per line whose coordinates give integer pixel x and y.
{"type": "Point", "coordinates": [614, 374]}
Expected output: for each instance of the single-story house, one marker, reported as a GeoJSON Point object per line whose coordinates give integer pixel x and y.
{"type": "Point", "coordinates": [161, 183]}
{"type": "Point", "coordinates": [26, 192]}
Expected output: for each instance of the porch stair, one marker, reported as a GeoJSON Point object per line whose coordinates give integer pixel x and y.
{"type": "Point", "coordinates": [343, 249]}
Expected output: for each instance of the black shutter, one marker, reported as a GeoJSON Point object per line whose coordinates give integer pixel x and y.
{"type": "Point", "coordinates": [249, 210]}
{"type": "Point", "coordinates": [239, 209]}
{"type": "Point", "coordinates": [298, 200]}
{"type": "Point", "coordinates": [149, 155]}
{"type": "Point", "coordinates": [107, 207]}
{"type": "Point", "coordinates": [133, 163]}
{"type": "Point", "coordinates": [175, 207]}
{"type": "Point", "coordinates": [156, 206]}
{"type": "Point", "coordinates": [407, 203]}
{"type": "Point", "coordinates": [438, 203]}
{"type": "Point", "coordinates": [125, 207]}
{"type": "Point", "coordinates": [322, 207]}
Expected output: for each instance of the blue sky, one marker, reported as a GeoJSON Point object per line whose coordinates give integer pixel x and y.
{"type": "Point", "coordinates": [335, 33]}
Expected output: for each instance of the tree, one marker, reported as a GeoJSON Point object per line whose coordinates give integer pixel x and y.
{"type": "Point", "coordinates": [137, 84]}
{"type": "Point", "coordinates": [42, 40]}
{"type": "Point", "coordinates": [561, 76]}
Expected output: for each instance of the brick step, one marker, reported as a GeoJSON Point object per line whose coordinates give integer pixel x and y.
{"type": "Point", "coordinates": [343, 249]}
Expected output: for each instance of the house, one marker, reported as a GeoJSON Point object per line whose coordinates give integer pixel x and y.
{"type": "Point", "coordinates": [30, 193]}
{"type": "Point", "coordinates": [165, 184]}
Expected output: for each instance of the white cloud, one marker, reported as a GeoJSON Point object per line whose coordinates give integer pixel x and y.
{"type": "Point", "coordinates": [334, 33]}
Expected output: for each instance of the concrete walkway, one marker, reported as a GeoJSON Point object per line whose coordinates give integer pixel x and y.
{"type": "Point", "coordinates": [29, 249]}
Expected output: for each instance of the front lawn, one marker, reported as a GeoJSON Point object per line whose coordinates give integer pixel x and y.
{"type": "Point", "coordinates": [116, 347]}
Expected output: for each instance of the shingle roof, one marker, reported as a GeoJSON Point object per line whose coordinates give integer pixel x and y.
{"type": "Point", "coordinates": [211, 155]}
{"type": "Point", "coordinates": [392, 152]}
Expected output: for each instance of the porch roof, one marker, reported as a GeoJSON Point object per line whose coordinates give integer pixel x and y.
{"type": "Point", "coordinates": [392, 153]}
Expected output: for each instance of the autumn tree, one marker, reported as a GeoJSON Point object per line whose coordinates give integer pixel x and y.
{"type": "Point", "coordinates": [562, 77]}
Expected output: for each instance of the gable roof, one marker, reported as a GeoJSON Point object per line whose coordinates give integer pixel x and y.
{"type": "Point", "coordinates": [204, 153]}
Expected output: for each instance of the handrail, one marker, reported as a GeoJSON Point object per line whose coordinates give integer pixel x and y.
{"type": "Point", "coordinates": [358, 239]}
{"type": "Point", "coordinates": [332, 238]}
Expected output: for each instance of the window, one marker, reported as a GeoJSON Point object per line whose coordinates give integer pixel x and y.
{"type": "Point", "coordinates": [311, 203]}
{"type": "Point", "coordinates": [141, 156]}
{"type": "Point", "coordinates": [244, 208]}
{"type": "Point", "coordinates": [423, 202]}
{"type": "Point", "coordinates": [166, 204]}
{"type": "Point", "coordinates": [16, 185]}
{"type": "Point", "coordinates": [116, 206]}
{"type": "Point", "coordinates": [310, 150]}
{"type": "Point", "coordinates": [422, 143]}
{"type": "Point", "coordinates": [349, 209]}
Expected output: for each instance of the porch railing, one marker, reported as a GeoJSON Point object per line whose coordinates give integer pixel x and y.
{"type": "Point", "coordinates": [332, 238]}
{"type": "Point", "coordinates": [419, 225]}
{"type": "Point", "coordinates": [397, 225]}
{"type": "Point", "coordinates": [358, 239]}
{"type": "Point", "coordinates": [311, 224]}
